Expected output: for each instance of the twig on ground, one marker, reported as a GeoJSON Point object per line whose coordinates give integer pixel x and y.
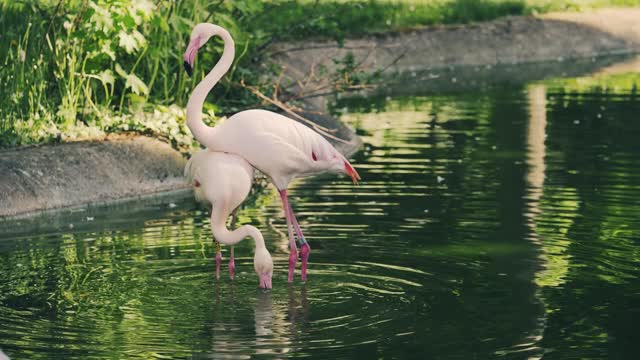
{"type": "Point", "coordinates": [288, 109]}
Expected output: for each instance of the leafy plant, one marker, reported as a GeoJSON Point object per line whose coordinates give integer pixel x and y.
{"type": "Point", "coordinates": [70, 69]}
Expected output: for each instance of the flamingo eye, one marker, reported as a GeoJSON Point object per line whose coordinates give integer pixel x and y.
{"type": "Point", "coordinates": [313, 156]}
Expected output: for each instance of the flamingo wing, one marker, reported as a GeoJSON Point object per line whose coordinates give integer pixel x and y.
{"type": "Point", "coordinates": [279, 147]}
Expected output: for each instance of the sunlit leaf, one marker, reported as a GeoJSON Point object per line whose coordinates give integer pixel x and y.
{"type": "Point", "coordinates": [143, 7]}
{"type": "Point", "coordinates": [106, 49]}
{"type": "Point", "coordinates": [128, 42]}
{"type": "Point", "coordinates": [139, 38]}
{"type": "Point", "coordinates": [101, 18]}
{"type": "Point", "coordinates": [120, 71]}
{"type": "Point", "coordinates": [137, 86]}
{"type": "Point", "coordinates": [106, 76]}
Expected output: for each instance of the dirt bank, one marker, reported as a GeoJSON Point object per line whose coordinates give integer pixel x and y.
{"type": "Point", "coordinates": [507, 41]}
{"type": "Point", "coordinates": [71, 174]}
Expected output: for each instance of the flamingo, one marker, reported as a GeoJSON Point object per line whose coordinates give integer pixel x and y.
{"type": "Point", "coordinates": [223, 181]}
{"type": "Point", "coordinates": [278, 146]}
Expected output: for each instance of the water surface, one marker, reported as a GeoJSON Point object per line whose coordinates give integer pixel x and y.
{"type": "Point", "coordinates": [501, 222]}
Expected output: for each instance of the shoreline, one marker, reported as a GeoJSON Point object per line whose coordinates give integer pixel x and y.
{"type": "Point", "coordinates": [509, 41]}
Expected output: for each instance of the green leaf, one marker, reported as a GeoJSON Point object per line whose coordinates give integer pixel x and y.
{"type": "Point", "coordinates": [128, 42]}
{"type": "Point", "coordinates": [120, 71]}
{"type": "Point", "coordinates": [106, 76]}
{"type": "Point", "coordinates": [101, 18]}
{"type": "Point", "coordinates": [144, 8]}
{"type": "Point", "coordinates": [137, 86]}
{"type": "Point", "coordinates": [136, 102]}
{"type": "Point", "coordinates": [160, 22]}
{"type": "Point", "coordinates": [139, 38]}
{"type": "Point", "coordinates": [106, 50]}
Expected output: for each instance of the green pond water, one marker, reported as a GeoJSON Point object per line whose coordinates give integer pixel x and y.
{"type": "Point", "coordinates": [491, 222]}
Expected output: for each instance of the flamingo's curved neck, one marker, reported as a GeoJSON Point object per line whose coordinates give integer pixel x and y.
{"type": "Point", "coordinates": [200, 130]}
{"type": "Point", "coordinates": [224, 236]}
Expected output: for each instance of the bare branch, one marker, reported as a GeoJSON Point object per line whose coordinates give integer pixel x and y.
{"type": "Point", "coordinates": [321, 129]}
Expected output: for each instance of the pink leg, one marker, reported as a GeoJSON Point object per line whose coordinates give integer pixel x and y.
{"type": "Point", "coordinates": [293, 254]}
{"type": "Point", "coordinates": [232, 265]}
{"type": "Point", "coordinates": [305, 249]}
{"type": "Point", "coordinates": [218, 261]}
{"type": "Point", "coordinates": [218, 257]}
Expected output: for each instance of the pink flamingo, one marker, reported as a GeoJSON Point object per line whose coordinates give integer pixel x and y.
{"type": "Point", "coordinates": [280, 147]}
{"type": "Point", "coordinates": [224, 181]}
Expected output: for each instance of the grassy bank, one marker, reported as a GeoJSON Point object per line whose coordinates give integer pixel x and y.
{"type": "Point", "coordinates": [80, 68]}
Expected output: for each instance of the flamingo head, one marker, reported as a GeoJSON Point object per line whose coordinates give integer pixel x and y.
{"type": "Point", "coordinates": [263, 264]}
{"type": "Point", "coordinates": [340, 165]}
{"type": "Point", "coordinates": [199, 36]}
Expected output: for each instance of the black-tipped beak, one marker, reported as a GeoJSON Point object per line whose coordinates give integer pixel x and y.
{"type": "Point", "coordinates": [188, 68]}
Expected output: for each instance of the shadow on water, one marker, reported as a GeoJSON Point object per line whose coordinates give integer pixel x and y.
{"type": "Point", "coordinates": [493, 222]}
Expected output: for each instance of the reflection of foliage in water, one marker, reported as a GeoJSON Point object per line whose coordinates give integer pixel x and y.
{"type": "Point", "coordinates": [594, 151]}
{"type": "Point", "coordinates": [588, 217]}
{"type": "Point", "coordinates": [623, 84]}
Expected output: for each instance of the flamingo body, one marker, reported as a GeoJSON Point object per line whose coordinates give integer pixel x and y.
{"type": "Point", "coordinates": [223, 181]}
{"type": "Point", "coordinates": [219, 178]}
{"type": "Point", "coordinates": [280, 147]}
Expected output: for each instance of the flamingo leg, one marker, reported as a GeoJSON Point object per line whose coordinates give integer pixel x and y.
{"type": "Point", "coordinates": [218, 258]}
{"type": "Point", "coordinates": [293, 254]}
{"type": "Point", "coordinates": [305, 249]}
{"type": "Point", "coordinates": [232, 263]}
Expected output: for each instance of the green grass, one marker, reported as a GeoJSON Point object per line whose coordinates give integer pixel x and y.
{"type": "Point", "coordinates": [81, 68]}
{"type": "Point", "coordinates": [339, 19]}
{"type": "Point", "coordinates": [336, 19]}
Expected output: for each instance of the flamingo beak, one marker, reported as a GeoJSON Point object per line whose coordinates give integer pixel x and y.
{"type": "Point", "coordinates": [188, 68]}
{"type": "Point", "coordinates": [351, 171]}
{"type": "Point", "coordinates": [265, 280]}
{"type": "Point", "coordinates": [190, 55]}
